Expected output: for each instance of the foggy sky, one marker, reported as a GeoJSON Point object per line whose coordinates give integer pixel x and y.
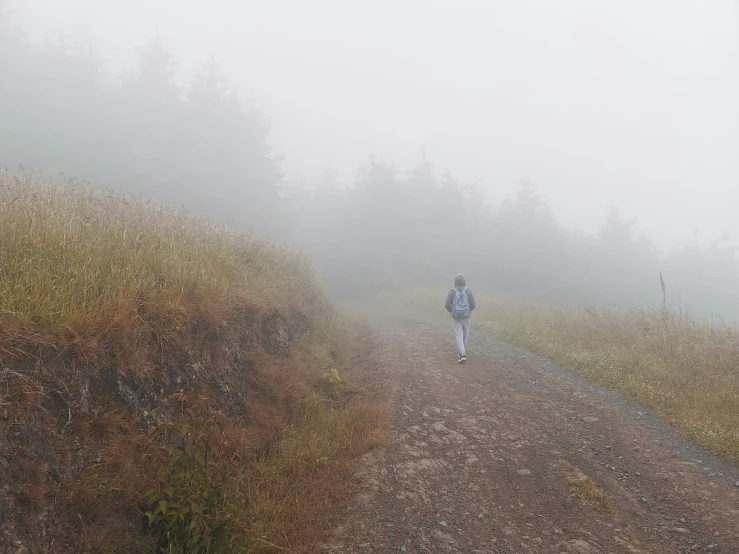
{"type": "Point", "coordinates": [634, 102]}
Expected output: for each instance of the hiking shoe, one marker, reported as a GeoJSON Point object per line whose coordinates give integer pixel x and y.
{"type": "Point", "coordinates": [462, 359]}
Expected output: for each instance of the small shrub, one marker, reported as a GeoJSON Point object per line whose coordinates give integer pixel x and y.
{"type": "Point", "coordinates": [194, 509]}
{"type": "Point", "coordinates": [333, 378]}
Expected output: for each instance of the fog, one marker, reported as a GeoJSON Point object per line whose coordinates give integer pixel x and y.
{"type": "Point", "coordinates": [333, 124]}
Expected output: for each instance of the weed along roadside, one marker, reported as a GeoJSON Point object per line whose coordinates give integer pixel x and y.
{"type": "Point", "coordinates": [168, 385]}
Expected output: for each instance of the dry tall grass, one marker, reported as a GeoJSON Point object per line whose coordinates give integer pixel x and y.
{"type": "Point", "coordinates": [684, 367]}
{"type": "Point", "coordinates": [92, 277]}
{"type": "Point", "coordinates": [92, 266]}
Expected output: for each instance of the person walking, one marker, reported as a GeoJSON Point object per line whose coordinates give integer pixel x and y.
{"type": "Point", "coordinates": [460, 302]}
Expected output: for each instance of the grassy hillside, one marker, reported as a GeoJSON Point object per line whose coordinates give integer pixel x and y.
{"type": "Point", "coordinates": [683, 366]}
{"type": "Point", "coordinates": [110, 275]}
{"type": "Point", "coordinates": [167, 384]}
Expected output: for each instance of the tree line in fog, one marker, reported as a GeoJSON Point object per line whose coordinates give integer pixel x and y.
{"type": "Point", "coordinates": [202, 147]}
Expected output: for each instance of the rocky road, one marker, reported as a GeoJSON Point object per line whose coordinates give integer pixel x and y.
{"type": "Point", "coordinates": [511, 454]}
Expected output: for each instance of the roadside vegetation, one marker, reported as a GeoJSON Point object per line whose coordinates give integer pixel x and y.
{"type": "Point", "coordinates": [683, 366]}
{"type": "Point", "coordinates": [168, 385]}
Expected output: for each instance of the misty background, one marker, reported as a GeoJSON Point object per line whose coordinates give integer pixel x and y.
{"type": "Point", "coordinates": [567, 150]}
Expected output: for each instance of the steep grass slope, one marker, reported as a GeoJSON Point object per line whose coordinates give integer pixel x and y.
{"type": "Point", "coordinates": [167, 384]}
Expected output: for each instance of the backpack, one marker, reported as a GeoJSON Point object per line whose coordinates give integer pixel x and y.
{"type": "Point", "coordinates": [461, 304]}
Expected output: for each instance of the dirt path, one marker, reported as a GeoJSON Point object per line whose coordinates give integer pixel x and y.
{"type": "Point", "coordinates": [511, 454]}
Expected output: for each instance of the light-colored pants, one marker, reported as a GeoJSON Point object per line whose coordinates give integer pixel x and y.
{"type": "Point", "coordinates": [461, 330]}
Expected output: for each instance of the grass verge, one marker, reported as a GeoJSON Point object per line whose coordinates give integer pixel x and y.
{"type": "Point", "coordinates": [293, 489]}
{"type": "Point", "coordinates": [682, 366]}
